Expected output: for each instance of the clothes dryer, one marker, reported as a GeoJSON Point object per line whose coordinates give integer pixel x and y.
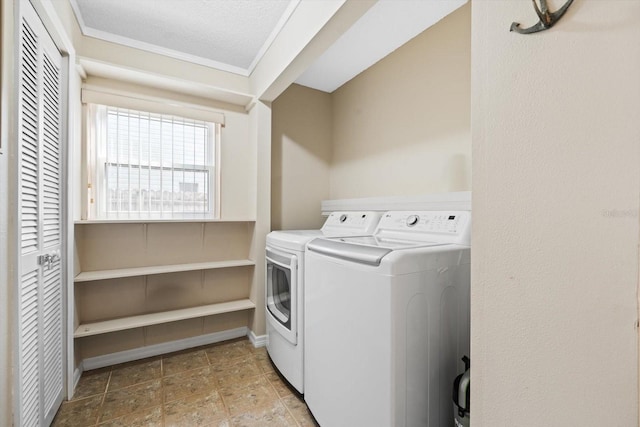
{"type": "Point", "coordinates": [284, 285]}
{"type": "Point", "coordinates": [387, 321]}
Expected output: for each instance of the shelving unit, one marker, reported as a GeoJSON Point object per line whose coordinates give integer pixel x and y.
{"type": "Point", "coordinates": [88, 276]}
{"type": "Point", "coordinates": [142, 282]}
{"type": "Point", "coordinates": [121, 324]}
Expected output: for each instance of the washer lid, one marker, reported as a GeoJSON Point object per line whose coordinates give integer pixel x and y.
{"type": "Point", "coordinates": [364, 250]}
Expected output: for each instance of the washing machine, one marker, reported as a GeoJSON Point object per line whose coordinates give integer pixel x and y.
{"type": "Point", "coordinates": [387, 321]}
{"type": "Point", "coordinates": [284, 281]}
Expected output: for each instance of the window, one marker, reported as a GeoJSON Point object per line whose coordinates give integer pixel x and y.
{"type": "Point", "coordinates": [148, 165]}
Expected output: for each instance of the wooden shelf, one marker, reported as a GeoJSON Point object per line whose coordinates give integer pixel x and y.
{"type": "Point", "coordinates": [124, 323]}
{"type": "Point", "coordinates": [87, 276]}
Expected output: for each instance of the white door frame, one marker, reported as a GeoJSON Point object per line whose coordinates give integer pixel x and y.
{"type": "Point", "coordinates": [7, 119]}
{"type": "Point", "coordinates": [57, 32]}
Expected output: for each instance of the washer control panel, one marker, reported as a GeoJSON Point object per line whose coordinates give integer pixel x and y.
{"type": "Point", "coordinates": [429, 225]}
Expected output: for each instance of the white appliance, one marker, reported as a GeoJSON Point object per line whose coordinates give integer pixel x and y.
{"type": "Point", "coordinates": [387, 321]}
{"type": "Point", "coordinates": [285, 287]}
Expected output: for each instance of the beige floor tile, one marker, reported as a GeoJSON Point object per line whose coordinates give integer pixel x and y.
{"type": "Point", "coordinates": [149, 417]}
{"type": "Point", "coordinates": [228, 350]}
{"type": "Point", "coordinates": [265, 366]}
{"type": "Point", "coordinates": [131, 399]}
{"type": "Point", "coordinates": [299, 410]}
{"type": "Point", "coordinates": [136, 372]}
{"type": "Point", "coordinates": [275, 415]}
{"type": "Point", "coordinates": [262, 360]}
{"type": "Point", "coordinates": [242, 370]}
{"type": "Point", "coordinates": [183, 361]}
{"type": "Point", "coordinates": [188, 383]}
{"type": "Point", "coordinates": [260, 353]}
{"type": "Point", "coordinates": [278, 383]}
{"type": "Point", "coordinates": [229, 384]}
{"type": "Point", "coordinates": [78, 413]}
{"type": "Point", "coordinates": [201, 410]}
{"type": "Point", "coordinates": [92, 383]}
{"type": "Point", "coordinates": [250, 382]}
{"type": "Point", "coordinates": [239, 400]}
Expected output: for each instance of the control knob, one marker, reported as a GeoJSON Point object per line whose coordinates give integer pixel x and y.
{"type": "Point", "coordinates": [412, 220]}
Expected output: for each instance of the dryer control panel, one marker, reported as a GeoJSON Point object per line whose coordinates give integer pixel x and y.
{"type": "Point", "coordinates": [364, 222]}
{"type": "Point", "coordinates": [434, 226]}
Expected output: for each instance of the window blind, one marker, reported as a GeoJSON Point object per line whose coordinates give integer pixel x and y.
{"type": "Point", "coordinates": [151, 165]}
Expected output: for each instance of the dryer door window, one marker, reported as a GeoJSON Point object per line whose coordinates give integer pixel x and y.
{"type": "Point", "coordinates": [281, 293]}
{"type": "Point", "coordinates": [279, 296]}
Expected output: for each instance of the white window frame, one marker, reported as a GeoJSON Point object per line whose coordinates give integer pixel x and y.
{"type": "Point", "coordinates": [96, 158]}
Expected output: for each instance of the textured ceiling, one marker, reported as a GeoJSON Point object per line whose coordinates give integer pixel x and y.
{"type": "Point", "coordinates": [232, 35]}
{"type": "Point", "coordinates": [227, 34]}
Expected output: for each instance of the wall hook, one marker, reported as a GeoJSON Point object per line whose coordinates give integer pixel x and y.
{"type": "Point", "coordinates": [547, 19]}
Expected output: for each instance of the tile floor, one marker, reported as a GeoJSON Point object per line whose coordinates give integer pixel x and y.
{"type": "Point", "coordinates": [226, 384]}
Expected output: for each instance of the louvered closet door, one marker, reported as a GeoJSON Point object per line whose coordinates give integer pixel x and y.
{"type": "Point", "coordinates": [41, 338]}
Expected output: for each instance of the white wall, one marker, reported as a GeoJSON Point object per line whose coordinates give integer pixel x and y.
{"type": "Point", "coordinates": [556, 145]}
{"type": "Point", "coordinates": [402, 127]}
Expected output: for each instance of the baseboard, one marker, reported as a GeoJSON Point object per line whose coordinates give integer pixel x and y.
{"type": "Point", "coordinates": [77, 373]}
{"type": "Point", "coordinates": [257, 341]}
{"type": "Point", "coordinates": [163, 348]}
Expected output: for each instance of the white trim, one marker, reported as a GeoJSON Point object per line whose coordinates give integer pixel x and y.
{"type": "Point", "coordinates": [159, 50]}
{"type": "Point", "coordinates": [77, 374]}
{"type": "Point", "coordinates": [66, 223]}
{"type": "Point", "coordinates": [163, 348]}
{"type": "Point", "coordinates": [54, 26]}
{"type": "Point", "coordinates": [229, 99]}
{"type": "Point", "coordinates": [8, 129]}
{"type": "Point", "coordinates": [74, 135]}
{"type": "Point", "coordinates": [92, 94]}
{"type": "Point", "coordinates": [459, 201]}
{"type": "Point", "coordinates": [257, 340]}
{"type": "Point", "coordinates": [276, 30]}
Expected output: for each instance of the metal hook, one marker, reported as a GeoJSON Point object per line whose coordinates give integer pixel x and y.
{"type": "Point", "coordinates": [547, 19]}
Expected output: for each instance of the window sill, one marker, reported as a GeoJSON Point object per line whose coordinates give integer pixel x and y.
{"type": "Point", "coordinates": [151, 221]}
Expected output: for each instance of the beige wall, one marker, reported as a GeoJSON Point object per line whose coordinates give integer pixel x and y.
{"type": "Point", "coordinates": [301, 153]}
{"type": "Point", "coordinates": [556, 145]}
{"type": "Point", "coordinates": [402, 127]}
